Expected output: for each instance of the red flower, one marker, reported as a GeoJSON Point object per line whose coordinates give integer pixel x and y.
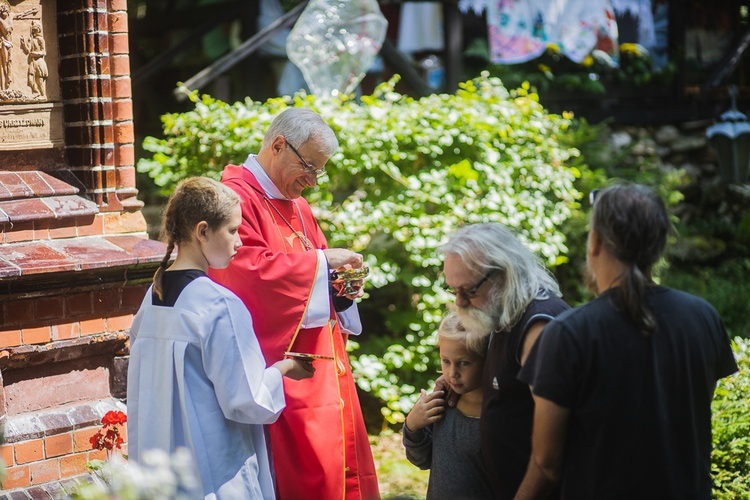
{"type": "Point", "coordinates": [111, 438]}
{"type": "Point", "coordinates": [114, 418]}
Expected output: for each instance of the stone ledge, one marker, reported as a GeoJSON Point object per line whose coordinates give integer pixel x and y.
{"type": "Point", "coordinates": [58, 420]}
{"type": "Point", "coordinates": [36, 196]}
{"type": "Point", "coordinates": [62, 350]}
{"type": "Point", "coordinates": [77, 254]}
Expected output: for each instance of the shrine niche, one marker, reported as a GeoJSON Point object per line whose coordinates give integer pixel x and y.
{"type": "Point", "coordinates": [75, 257]}
{"type": "Point", "coordinates": [30, 106]}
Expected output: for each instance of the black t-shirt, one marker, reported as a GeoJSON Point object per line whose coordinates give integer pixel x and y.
{"type": "Point", "coordinates": [172, 285]}
{"type": "Point", "coordinates": [507, 406]}
{"type": "Point", "coordinates": [640, 406]}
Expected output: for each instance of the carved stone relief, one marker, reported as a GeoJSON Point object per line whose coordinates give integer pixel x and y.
{"type": "Point", "coordinates": [27, 41]}
{"type": "Point", "coordinates": [30, 111]}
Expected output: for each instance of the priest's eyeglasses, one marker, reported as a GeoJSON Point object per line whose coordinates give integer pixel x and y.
{"type": "Point", "coordinates": [471, 292]}
{"type": "Point", "coordinates": [308, 167]}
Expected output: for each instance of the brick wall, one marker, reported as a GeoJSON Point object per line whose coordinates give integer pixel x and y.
{"type": "Point", "coordinates": [71, 281]}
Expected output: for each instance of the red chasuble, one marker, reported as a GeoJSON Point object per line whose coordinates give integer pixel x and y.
{"type": "Point", "coordinates": [319, 443]}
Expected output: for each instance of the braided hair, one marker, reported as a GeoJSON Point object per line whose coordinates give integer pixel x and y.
{"type": "Point", "coordinates": [632, 223]}
{"type": "Point", "coordinates": [194, 200]}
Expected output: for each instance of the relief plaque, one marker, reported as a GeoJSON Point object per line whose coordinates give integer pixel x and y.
{"type": "Point", "coordinates": [30, 107]}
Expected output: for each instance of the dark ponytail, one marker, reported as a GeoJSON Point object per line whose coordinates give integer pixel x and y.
{"type": "Point", "coordinates": [632, 223]}
{"type": "Point", "coordinates": [159, 274]}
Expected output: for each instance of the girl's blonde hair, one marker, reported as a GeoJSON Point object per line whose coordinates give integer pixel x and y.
{"type": "Point", "coordinates": [452, 328]}
{"type": "Point", "coordinates": [195, 199]}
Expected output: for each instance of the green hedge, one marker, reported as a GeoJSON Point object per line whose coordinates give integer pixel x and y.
{"type": "Point", "coordinates": [407, 173]}
{"type": "Point", "coordinates": [730, 459]}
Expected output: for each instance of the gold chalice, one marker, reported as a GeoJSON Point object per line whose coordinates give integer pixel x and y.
{"type": "Point", "coordinates": [349, 280]}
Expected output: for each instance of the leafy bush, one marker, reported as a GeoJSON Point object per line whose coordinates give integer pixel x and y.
{"type": "Point", "coordinates": [408, 172]}
{"type": "Point", "coordinates": [730, 458]}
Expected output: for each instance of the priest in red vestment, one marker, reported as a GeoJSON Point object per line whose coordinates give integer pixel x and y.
{"type": "Point", "coordinates": [319, 444]}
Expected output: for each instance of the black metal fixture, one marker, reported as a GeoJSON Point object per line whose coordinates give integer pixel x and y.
{"type": "Point", "coordinates": [730, 138]}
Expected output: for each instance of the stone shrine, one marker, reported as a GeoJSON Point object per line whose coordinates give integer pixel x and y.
{"type": "Point", "coordinates": [75, 258]}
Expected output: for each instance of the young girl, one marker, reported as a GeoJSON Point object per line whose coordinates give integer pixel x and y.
{"type": "Point", "coordinates": [446, 440]}
{"type": "Point", "coordinates": [197, 378]}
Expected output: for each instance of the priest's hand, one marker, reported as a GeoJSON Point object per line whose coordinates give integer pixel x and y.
{"type": "Point", "coordinates": [295, 369]}
{"type": "Point", "coordinates": [340, 257]}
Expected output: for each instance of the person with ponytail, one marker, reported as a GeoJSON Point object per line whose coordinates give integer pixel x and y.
{"type": "Point", "coordinates": [197, 378]}
{"type": "Point", "coordinates": [623, 385]}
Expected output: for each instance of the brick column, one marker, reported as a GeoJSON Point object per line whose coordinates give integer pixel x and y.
{"type": "Point", "coordinates": [86, 89]}
{"type": "Point", "coordinates": [122, 100]}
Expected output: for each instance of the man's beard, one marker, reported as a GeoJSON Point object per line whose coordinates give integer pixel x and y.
{"type": "Point", "coordinates": [477, 320]}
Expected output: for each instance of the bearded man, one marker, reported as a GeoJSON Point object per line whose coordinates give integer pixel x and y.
{"type": "Point", "coordinates": [502, 289]}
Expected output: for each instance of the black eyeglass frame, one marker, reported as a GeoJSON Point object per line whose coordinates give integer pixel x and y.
{"type": "Point", "coordinates": [473, 291]}
{"type": "Point", "coordinates": [308, 167]}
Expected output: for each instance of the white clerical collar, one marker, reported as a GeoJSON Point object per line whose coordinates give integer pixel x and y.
{"type": "Point", "coordinates": [265, 182]}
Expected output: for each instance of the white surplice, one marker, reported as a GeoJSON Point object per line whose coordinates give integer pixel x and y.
{"type": "Point", "coordinates": [197, 379]}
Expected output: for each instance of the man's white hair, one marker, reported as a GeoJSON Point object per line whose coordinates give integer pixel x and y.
{"type": "Point", "coordinates": [520, 276]}
{"type": "Point", "coordinates": [300, 125]}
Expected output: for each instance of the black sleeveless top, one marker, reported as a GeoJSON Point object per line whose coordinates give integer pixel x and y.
{"type": "Point", "coordinates": [507, 406]}
{"type": "Point", "coordinates": [172, 285]}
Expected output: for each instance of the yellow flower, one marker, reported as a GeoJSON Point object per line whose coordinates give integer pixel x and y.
{"type": "Point", "coordinates": [553, 47]}
{"type": "Point", "coordinates": [544, 68]}
{"type": "Point", "coordinates": [630, 48]}
{"type": "Point", "coordinates": [588, 61]}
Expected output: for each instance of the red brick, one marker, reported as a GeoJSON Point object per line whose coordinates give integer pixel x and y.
{"type": "Point", "coordinates": [124, 222]}
{"type": "Point", "coordinates": [50, 307]}
{"type": "Point", "coordinates": [123, 110]}
{"type": "Point", "coordinates": [57, 445]}
{"type": "Point", "coordinates": [93, 326]}
{"type": "Point", "coordinates": [10, 338]}
{"type": "Point", "coordinates": [119, 323]}
{"type": "Point", "coordinates": [6, 454]}
{"type": "Point", "coordinates": [117, 5]}
{"type": "Point", "coordinates": [91, 228]}
{"type": "Point", "coordinates": [40, 335]}
{"type": "Point", "coordinates": [16, 477]}
{"type": "Point", "coordinates": [125, 158]}
{"type": "Point", "coordinates": [81, 438]}
{"type": "Point", "coordinates": [44, 472]}
{"type": "Point", "coordinates": [58, 230]}
{"type": "Point", "coordinates": [97, 455]}
{"type": "Point", "coordinates": [118, 43]}
{"type": "Point", "coordinates": [120, 66]}
{"type": "Point", "coordinates": [107, 300]}
{"type": "Point", "coordinates": [29, 451]}
{"type": "Point", "coordinates": [19, 311]}
{"type": "Point", "coordinates": [118, 22]}
{"type": "Point", "coordinates": [73, 465]}
{"type": "Point", "coordinates": [122, 88]}
{"type": "Point", "coordinates": [124, 132]}
{"type": "Point", "coordinates": [66, 331]}
{"type": "Point", "coordinates": [125, 177]}
{"type": "Point", "coordinates": [22, 231]}
{"type": "Point", "coordinates": [132, 296]}
{"type": "Point", "coordinates": [79, 303]}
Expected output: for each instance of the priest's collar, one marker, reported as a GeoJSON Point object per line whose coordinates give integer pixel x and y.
{"type": "Point", "coordinates": [265, 182]}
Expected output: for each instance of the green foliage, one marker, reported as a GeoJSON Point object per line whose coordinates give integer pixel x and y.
{"type": "Point", "coordinates": [730, 458]}
{"type": "Point", "coordinates": [725, 286]}
{"type": "Point", "coordinates": [407, 173]}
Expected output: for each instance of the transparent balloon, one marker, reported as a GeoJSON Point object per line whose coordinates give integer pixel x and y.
{"type": "Point", "coordinates": [334, 43]}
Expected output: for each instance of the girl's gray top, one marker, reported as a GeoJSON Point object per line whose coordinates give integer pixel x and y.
{"type": "Point", "coordinates": [450, 449]}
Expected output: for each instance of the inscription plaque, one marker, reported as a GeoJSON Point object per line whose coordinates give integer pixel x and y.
{"type": "Point", "coordinates": [31, 126]}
